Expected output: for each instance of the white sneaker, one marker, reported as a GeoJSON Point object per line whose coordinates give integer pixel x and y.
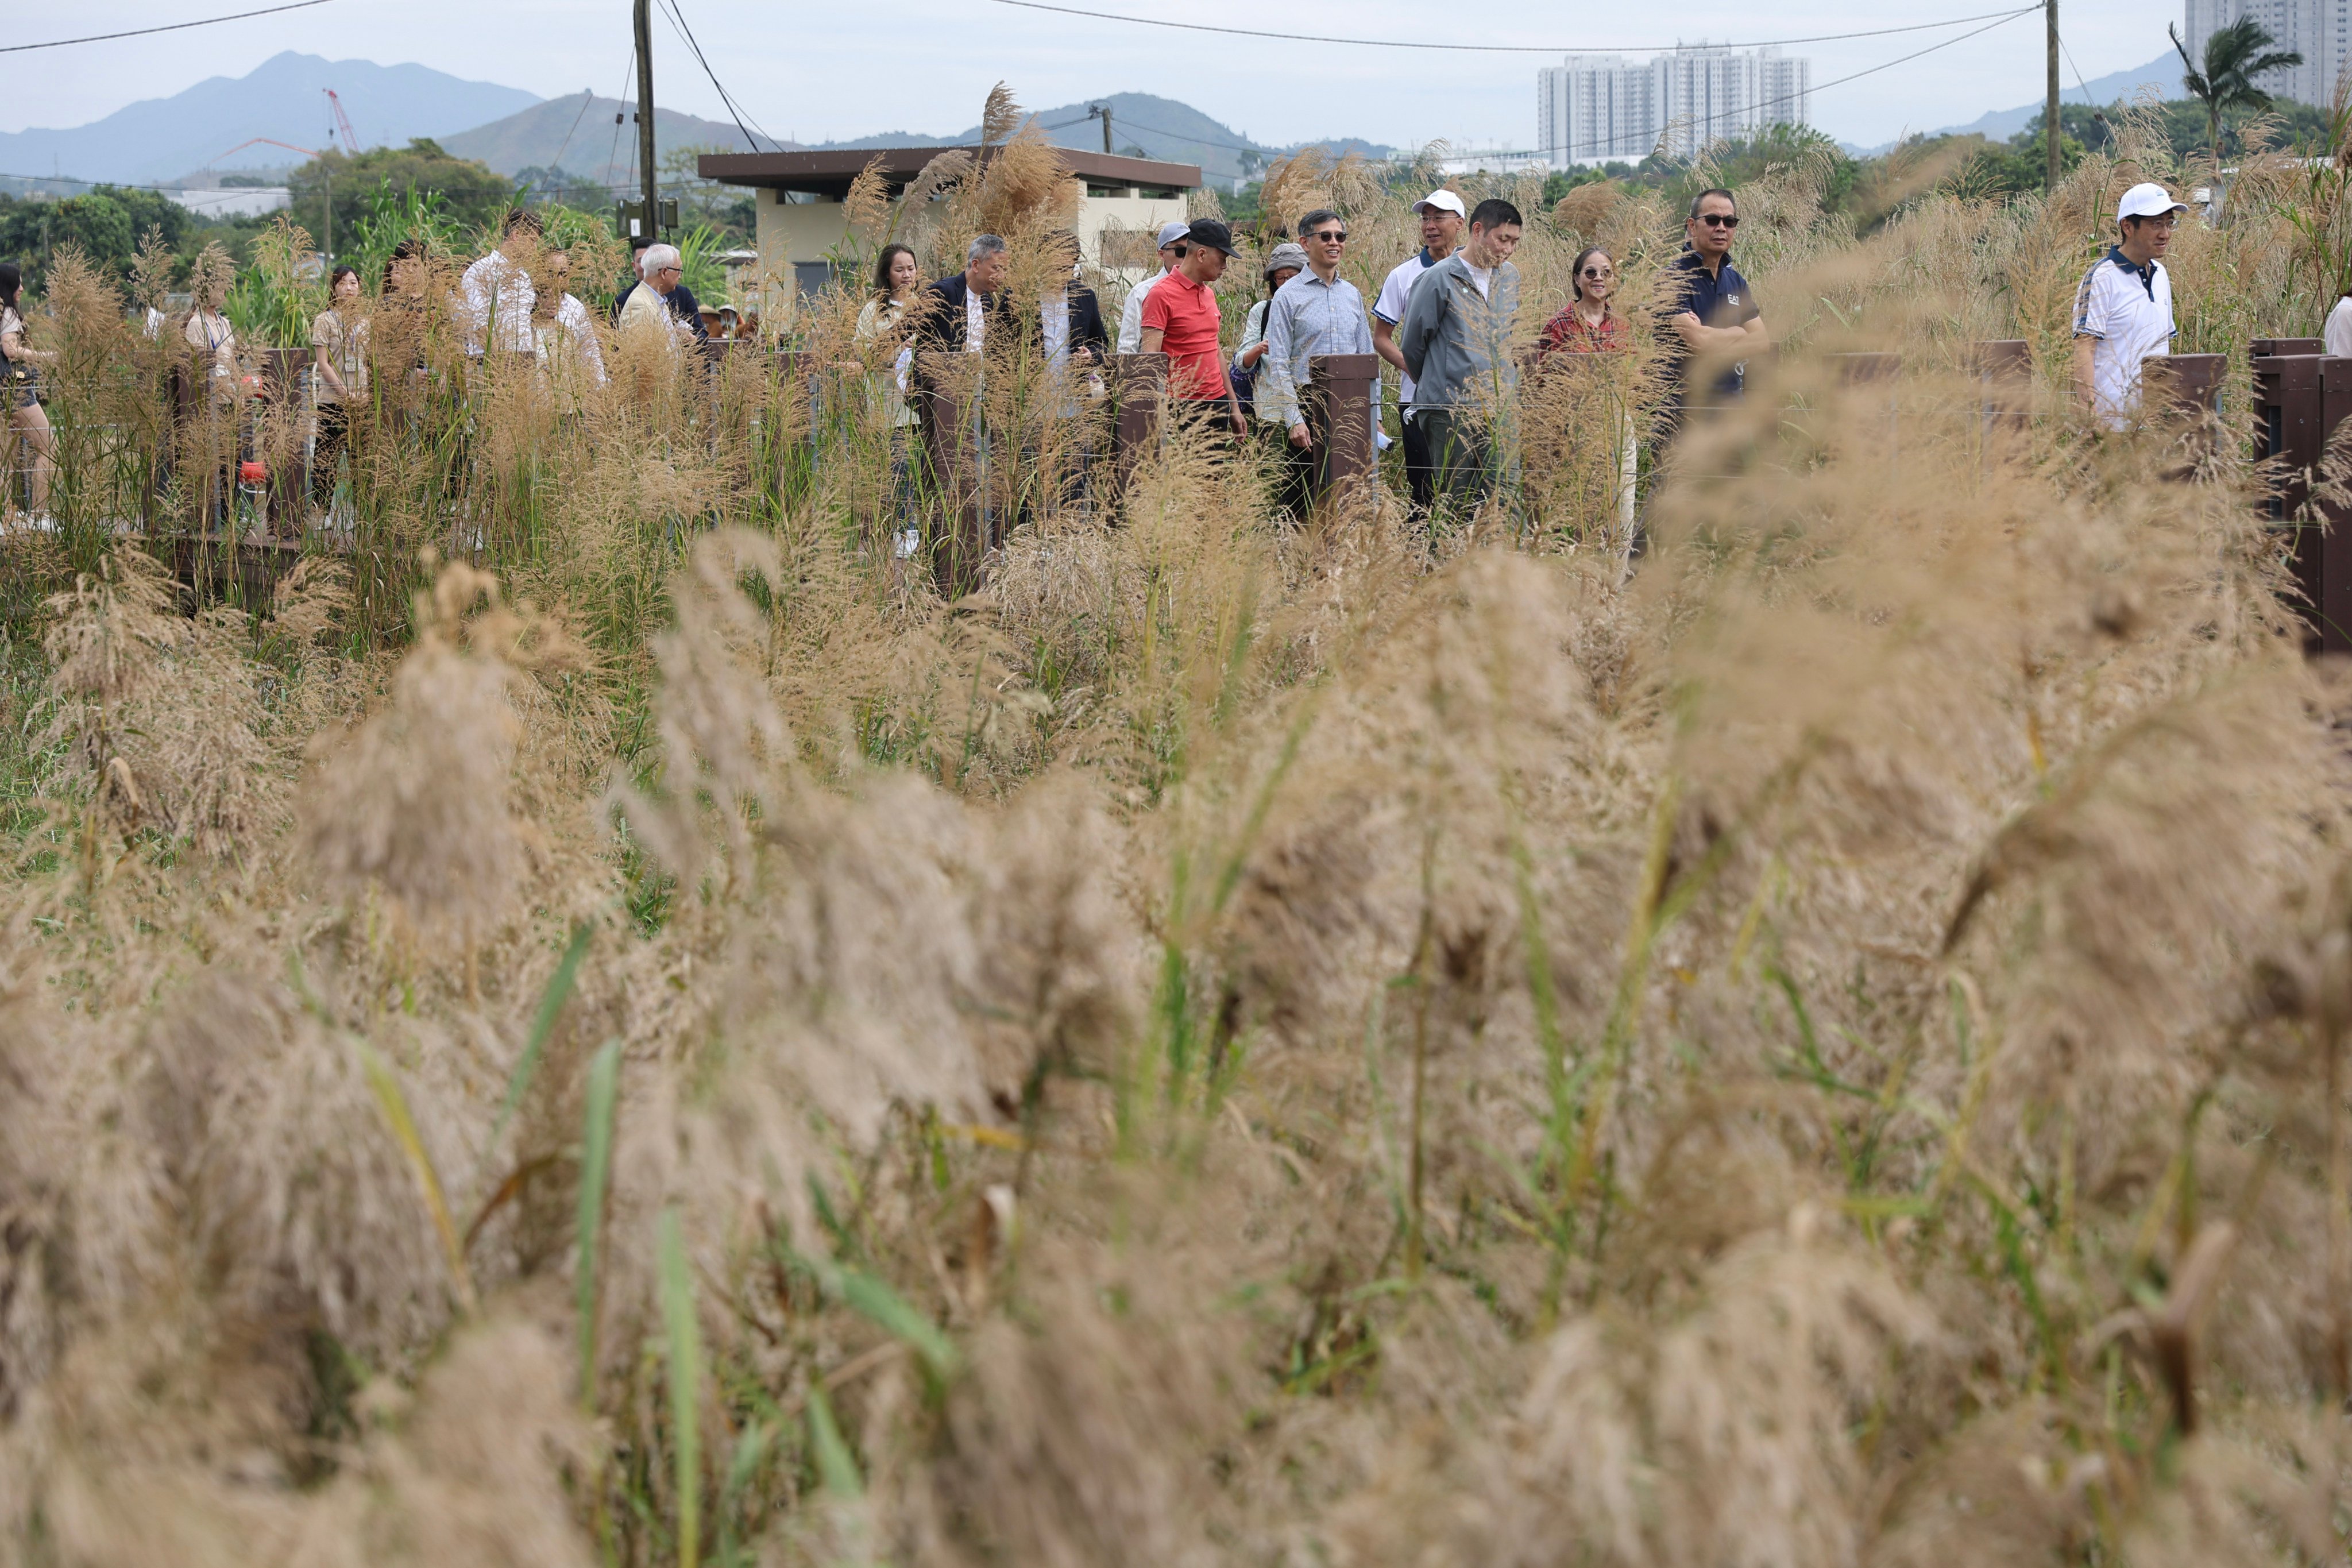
{"type": "Point", "coordinates": [909, 540]}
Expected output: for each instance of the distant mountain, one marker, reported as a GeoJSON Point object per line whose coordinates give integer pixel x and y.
{"type": "Point", "coordinates": [1141, 124]}
{"type": "Point", "coordinates": [578, 133]}
{"type": "Point", "coordinates": [2162, 73]}
{"type": "Point", "coordinates": [162, 138]}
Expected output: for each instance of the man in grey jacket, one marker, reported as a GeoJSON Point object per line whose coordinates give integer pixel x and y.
{"type": "Point", "coordinates": [1456, 342]}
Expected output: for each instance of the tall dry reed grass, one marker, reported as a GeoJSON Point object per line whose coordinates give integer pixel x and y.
{"type": "Point", "coordinates": [612, 1025]}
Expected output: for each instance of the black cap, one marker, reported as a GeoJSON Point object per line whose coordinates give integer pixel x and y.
{"type": "Point", "coordinates": [1208, 231]}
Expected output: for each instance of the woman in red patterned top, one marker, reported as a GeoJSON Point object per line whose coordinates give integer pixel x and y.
{"type": "Point", "coordinates": [1589, 323]}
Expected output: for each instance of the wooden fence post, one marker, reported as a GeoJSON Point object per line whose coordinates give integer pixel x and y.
{"type": "Point", "coordinates": [1140, 382]}
{"type": "Point", "coordinates": [2329, 579]}
{"type": "Point", "coordinates": [1340, 400]}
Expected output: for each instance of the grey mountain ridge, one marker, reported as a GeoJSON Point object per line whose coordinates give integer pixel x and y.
{"type": "Point", "coordinates": [161, 139]}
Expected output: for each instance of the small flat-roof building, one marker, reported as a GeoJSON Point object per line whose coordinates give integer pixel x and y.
{"type": "Point", "coordinates": [801, 221]}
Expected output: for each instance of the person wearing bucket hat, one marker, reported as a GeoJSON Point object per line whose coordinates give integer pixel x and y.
{"type": "Point", "coordinates": [1181, 320]}
{"type": "Point", "coordinates": [1130, 318]}
{"type": "Point", "coordinates": [1283, 263]}
{"type": "Point", "coordinates": [1442, 217]}
{"type": "Point", "coordinates": [2123, 308]}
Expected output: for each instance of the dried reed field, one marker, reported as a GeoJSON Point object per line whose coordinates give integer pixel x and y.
{"type": "Point", "coordinates": [614, 1025]}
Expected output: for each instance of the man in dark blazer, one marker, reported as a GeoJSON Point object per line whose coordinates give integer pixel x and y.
{"type": "Point", "coordinates": [957, 314]}
{"type": "Point", "coordinates": [1089, 341]}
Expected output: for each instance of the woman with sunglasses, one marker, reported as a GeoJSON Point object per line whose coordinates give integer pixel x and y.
{"type": "Point", "coordinates": [1589, 323]}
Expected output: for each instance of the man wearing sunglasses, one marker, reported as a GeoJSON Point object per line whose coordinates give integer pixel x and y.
{"type": "Point", "coordinates": [1316, 312]}
{"type": "Point", "coordinates": [1709, 308]}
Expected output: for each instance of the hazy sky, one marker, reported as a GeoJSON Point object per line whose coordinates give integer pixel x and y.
{"type": "Point", "coordinates": [817, 71]}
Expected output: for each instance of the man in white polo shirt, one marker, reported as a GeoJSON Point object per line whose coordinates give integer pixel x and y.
{"type": "Point", "coordinates": [1172, 246]}
{"type": "Point", "coordinates": [2123, 311]}
{"type": "Point", "coordinates": [1442, 217]}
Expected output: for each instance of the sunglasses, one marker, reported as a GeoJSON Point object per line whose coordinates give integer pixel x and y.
{"type": "Point", "coordinates": [1595, 274]}
{"type": "Point", "coordinates": [1329, 236]}
{"type": "Point", "coordinates": [1717, 220]}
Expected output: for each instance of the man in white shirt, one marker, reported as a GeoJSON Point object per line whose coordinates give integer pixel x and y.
{"type": "Point", "coordinates": [1130, 320]}
{"type": "Point", "coordinates": [2338, 334]}
{"type": "Point", "coordinates": [1441, 217]}
{"type": "Point", "coordinates": [497, 293]}
{"type": "Point", "coordinates": [2123, 311]}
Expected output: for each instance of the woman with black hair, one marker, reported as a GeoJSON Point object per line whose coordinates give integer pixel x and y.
{"type": "Point", "coordinates": [19, 363]}
{"type": "Point", "coordinates": [882, 326]}
{"type": "Point", "coordinates": [339, 377]}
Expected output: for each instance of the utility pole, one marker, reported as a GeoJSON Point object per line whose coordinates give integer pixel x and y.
{"type": "Point", "coordinates": [652, 194]}
{"type": "Point", "coordinates": [1102, 111]}
{"type": "Point", "coordinates": [2049, 96]}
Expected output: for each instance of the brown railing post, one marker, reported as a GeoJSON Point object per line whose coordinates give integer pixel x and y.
{"type": "Point", "coordinates": [2289, 436]}
{"type": "Point", "coordinates": [1140, 382]}
{"type": "Point", "coordinates": [1340, 400]}
{"type": "Point", "coordinates": [2181, 385]}
{"type": "Point", "coordinates": [958, 480]}
{"type": "Point", "coordinates": [2329, 578]}
{"type": "Point", "coordinates": [2275, 348]}
{"type": "Point", "coordinates": [2004, 371]}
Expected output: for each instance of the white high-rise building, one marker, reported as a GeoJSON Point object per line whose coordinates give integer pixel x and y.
{"type": "Point", "coordinates": [1591, 108]}
{"type": "Point", "coordinates": [2319, 30]}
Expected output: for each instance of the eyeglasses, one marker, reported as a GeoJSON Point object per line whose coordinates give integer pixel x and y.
{"type": "Point", "coordinates": [1595, 274]}
{"type": "Point", "coordinates": [1329, 236]}
{"type": "Point", "coordinates": [1718, 220]}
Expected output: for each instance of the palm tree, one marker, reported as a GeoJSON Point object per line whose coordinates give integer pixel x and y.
{"type": "Point", "coordinates": [2234, 55]}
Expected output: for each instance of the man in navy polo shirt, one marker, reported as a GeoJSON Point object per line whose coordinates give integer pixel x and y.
{"type": "Point", "coordinates": [1708, 309]}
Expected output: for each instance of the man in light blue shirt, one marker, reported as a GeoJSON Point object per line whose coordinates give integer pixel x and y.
{"type": "Point", "coordinates": [1316, 312]}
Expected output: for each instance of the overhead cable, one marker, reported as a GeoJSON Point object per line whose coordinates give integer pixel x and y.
{"type": "Point", "coordinates": [1507, 48]}
{"type": "Point", "coordinates": [166, 27]}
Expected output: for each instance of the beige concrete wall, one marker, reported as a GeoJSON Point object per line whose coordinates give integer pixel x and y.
{"type": "Point", "coordinates": [789, 233]}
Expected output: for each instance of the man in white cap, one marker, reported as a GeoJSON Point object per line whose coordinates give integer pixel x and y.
{"type": "Point", "coordinates": [2123, 311]}
{"type": "Point", "coordinates": [1443, 216]}
{"type": "Point", "coordinates": [1130, 320]}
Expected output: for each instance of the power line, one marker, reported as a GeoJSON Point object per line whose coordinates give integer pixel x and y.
{"type": "Point", "coordinates": [734, 110]}
{"type": "Point", "coordinates": [1505, 48]}
{"type": "Point", "coordinates": [587, 96]}
{"type": "Point", "coordinates": [166, 27]}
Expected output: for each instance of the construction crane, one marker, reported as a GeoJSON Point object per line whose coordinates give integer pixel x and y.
{"type": "Point", "coordinates": [343, 123]}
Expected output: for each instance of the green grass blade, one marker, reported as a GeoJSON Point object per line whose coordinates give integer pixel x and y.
{"type": "Point", "coordinates": [835, 1464]}
{"type": "Point", "coordinates": [404, 1130]}
{"type": "Point", "coordinates": [596, 1170]}
{"type": "Point", "coordinates": [677, 1286]}
{"type": "Point", "coordinates": [551, 1007]}
{"type": "Point", "coordinates": [889, 1311]}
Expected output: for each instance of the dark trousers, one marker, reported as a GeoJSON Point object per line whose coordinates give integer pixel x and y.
{"type": "Point", "coordinates": [1419, 472]}
{"type": "Point", "coordinates": [1297, 470]}
{"type": "Point", "coordinates": [327, 447]}
{"type": "Point", "coordinates": [1461, 462]}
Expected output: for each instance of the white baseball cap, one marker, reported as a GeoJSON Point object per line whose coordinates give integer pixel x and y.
{"type": "Point", "coordinates": [2148, 199]}
{"type": "Point", "coordinates": [1170, 232]}
{"type": "Point", "coordinates": [1442, 201]}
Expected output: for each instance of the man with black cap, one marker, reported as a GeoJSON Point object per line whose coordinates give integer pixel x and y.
{"type": "Point", "coordinates": [1130, 319]}
{"type": "Point", "coordinates": [1181, 320]}
{"type": "Point", "coordinates": [2123, 311]}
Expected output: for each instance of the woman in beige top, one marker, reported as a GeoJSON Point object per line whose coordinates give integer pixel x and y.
{"type": "Point", "coordinates": [882, 328]}
{"type": "Point", "coordinates": [19, 361]}
{"type": "Point", "coordinates": [339, 377]}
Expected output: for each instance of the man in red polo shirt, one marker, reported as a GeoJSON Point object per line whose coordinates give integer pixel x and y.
{"type": "Point", "coordinates": [1181, 320]}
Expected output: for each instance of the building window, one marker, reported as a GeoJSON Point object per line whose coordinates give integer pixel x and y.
{"type": "Point", "coordinates": [811, 277]}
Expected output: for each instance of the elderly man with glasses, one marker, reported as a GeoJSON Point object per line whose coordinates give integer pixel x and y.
{"type": "Point", "coordinates": [1709, 309]}
{"type": "Point", "coordinates": [663, 292]}
{"type": "Point", "coordinates": [1316, 312]}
